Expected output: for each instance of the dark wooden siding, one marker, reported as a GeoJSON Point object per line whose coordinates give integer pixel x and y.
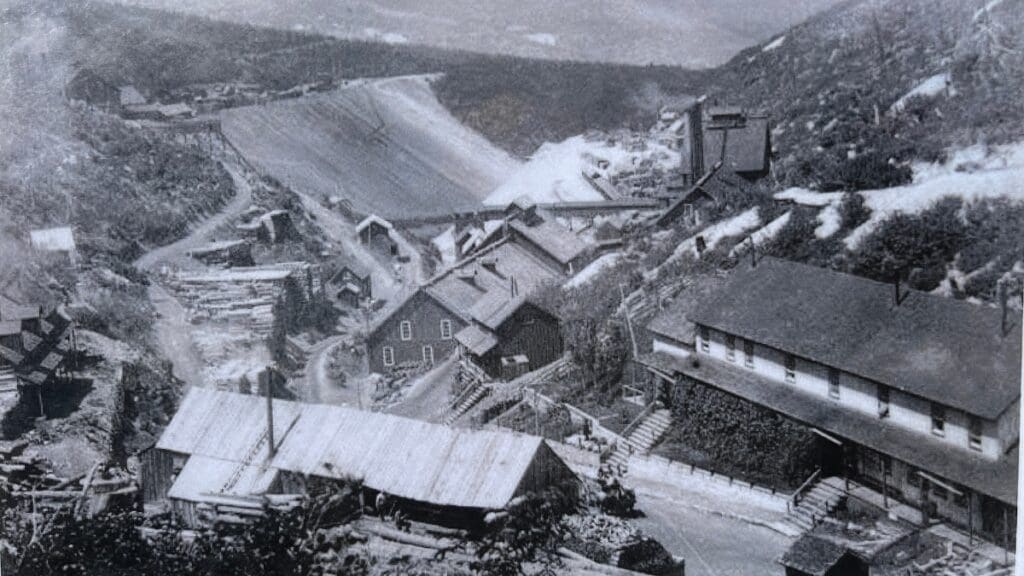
{"type": "Point", "coordinates": [425, 315]}
{"type": "Point", "coordinates": [157, 473]}
{"type": "Point", "coordinates": [533, 333]}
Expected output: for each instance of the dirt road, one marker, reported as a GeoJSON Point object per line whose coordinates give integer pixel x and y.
{"type": "Point", "coordinates": [172, 328]}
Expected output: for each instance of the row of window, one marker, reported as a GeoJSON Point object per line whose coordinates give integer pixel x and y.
{"type": "Point", "coordinates": [388, 354]}
{"type": "Point", "coordinates": [938, 412]}
{"type": "Point", "coordinates": [405, 330]}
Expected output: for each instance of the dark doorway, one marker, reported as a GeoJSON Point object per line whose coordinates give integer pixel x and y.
{"type": "Point", "coordinates": [830, 457]}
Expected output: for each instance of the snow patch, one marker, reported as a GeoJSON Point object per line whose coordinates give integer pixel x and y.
{"type": "Point", "coordinates": [592, 270]}
{"type": "Point", "coordinates": [386, 37]}
{"type": "Point", "coordinates": [805, 197]}
{"type": "Point", "coordinates": [713, 234]}
{"type": "Point", "coordinates": [542, 38]}
{"type": "Point", "coordinates": [445, 244]}
{"type": "Point", "coordinates": [774, 44]}
{"type": "Point", "coordinates": [556, 171]}
{"type": "Point", "coordinates": [930, 87]}
{"type": "Point", "coordinates": [763, 234]}
{"type": "Point", "coordinates": [830, 221]}
{"type": "Point", "coordinates": [986, 9]}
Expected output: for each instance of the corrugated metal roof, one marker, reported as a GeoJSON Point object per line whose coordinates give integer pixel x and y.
{"type": "Point", "coordinates": [226, 426]}
{"type": "Point", "coordinates": [10, 327]}
{"type": "Point", "coordinates": [202, 476]}
{"type": "Point", "coordinates": [403, 457]}
{"type": "Point", "coordinates": [409, 458]}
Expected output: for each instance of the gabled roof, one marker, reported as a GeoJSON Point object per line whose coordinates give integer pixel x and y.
{"type": "Point", "coordinates": [12, 311]}
{"type": "Point", "coordinates": [407, 458]}
{"type": "Point", "coordinates": [373, 219]}
{"type": "Point", "coordinates": [813, 555]}
{"type": "Point", "coordinates": [552, 238]}
{"type": "Point", "coordinates": [353, 266]}
{"type": "Point", "coordinates": [949, 351]}
{"type": "Point", "coordinates": [202, 476]}
{"type": "Point", "coordinates": [129, 95]}
{"type": "Point", "coordinates": [225, 426]}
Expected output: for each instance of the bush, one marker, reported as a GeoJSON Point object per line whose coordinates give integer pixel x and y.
{"type": "Point", "coordinates": [852, 211]}
{"type": "Point", "coordinates": [905, 242]}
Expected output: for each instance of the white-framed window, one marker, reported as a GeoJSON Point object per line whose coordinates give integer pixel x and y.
{"type": "Point", "coordinates": [446, 329]}
{"type": "Point", "coordinates": [405, 330]}
{"type": "Point", "coordinates": [428, 354]}
{"type": "Point", "coordinates": [883, 401]}
{"type": "Point", "coordinates": [974, 433]}
{"type": "Point", "coordinates": [705, 339]}
{"type": "Point", "coordinates": [833, 383]}
{"type": "Point", "coordinates": [389, 356]}
{"type": "Point", "coordinates": [790, 368]}
{"type": "Point", "coordinates": [748, 353]}
{"type": "Point", "coordinates": [938, 420]}
{"type": "Point", "coordinates": [730, 347]}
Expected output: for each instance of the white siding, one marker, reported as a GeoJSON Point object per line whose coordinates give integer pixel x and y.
{"type": "Point", "coordinates": [856, 393]}
{"type": "Point", "coordinates": [670, 348]}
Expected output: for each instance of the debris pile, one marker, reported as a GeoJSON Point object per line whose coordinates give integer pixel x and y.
{"type": "Point", "coordinates": [609, 540]}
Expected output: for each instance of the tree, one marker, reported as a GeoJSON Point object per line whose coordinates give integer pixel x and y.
{"type": "Point", "coordinates": [528, 531]}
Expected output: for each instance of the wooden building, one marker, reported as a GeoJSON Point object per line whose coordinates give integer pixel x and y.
{"type": "Point", "coordinates": [736, 138]}
{"type": "Point", "coordinates": [915, 395]}
{"type": "Point", "coordinates": [36, 350]}
{"type": "Point", "coordinates": [224, 253]}
{"type": "Point", "coordinates": [350, 284]}
{"type": "Point", "coordinates": [480, 307]}
{"type": "Point", "coordinates": [375, 232]}
{"type": "Point", "coordinates": [222, 447]}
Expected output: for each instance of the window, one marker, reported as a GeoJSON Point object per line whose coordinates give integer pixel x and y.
{"type": "Point", "coordinates": [748, 353]}
{"type": "Point", "coordinates": [883, 401]}
{"type": "Point", "coordinates": [939, 492]}
{"type": "Point", "coordinates": [938, 420]}
{"type": "Point", "coordinates": [974, 434]}
{"type": "Point", "coordinates": [730, 347]}
{"type": "Point", "coordinates": [405, 329]}
{"type": "Point", "coordinates": [446, 329]}
{"type": "Point", "coordinates": [790, 368]}
{"type": "Point", "coordinates": [428, 354]}
{"type": "Point", "coordinates": [705, 339]}
{"type": "Point", "coordinates": [389, 356]}
{"type": "Point", "coordinates": [833, 383]}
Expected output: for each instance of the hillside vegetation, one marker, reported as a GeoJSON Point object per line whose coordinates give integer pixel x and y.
{"type": "Point", "coordinates": [836, 87]}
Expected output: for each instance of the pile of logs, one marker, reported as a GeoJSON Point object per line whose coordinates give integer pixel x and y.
{"type": "Point", "coordinates": [223, 510]}
{"type": "Point", "coordinates": [27, 480]}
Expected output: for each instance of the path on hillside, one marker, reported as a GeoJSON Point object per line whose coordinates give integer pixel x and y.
{"type": "Point", "coordinates": [172, 328]}
{"type": "Point", "coordinates": [200, 234]}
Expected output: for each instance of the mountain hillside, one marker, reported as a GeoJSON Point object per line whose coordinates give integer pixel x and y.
{"type": "Point", "coordinates": [693, 33]}
{"type": "Point", "coordinates": [856, 93]}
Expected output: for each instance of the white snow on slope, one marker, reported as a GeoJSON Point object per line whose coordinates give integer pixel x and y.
{"type": "Point", "coordinates": [593, 269]}
{"type": "Point", "coordinates": [555, 172]}
{"type": "Point", "coordinates": [986, 8]}
{"type": "Point", "coordinates": [713, 234]}
{"type": "Point", "coordinates": [970, 174]}
{"type": "Point", "coordinates": [830, 221]}
{"type": "Point", "coordinates": [763, 234]}
{"type": "Point", "coordinates": [932, 86]}
{"type": "Point", "coordinates": [774, 44]}
{"type": "Point", "coordinates": [543, 38]}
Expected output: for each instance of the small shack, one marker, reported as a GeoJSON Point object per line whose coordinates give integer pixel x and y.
{"type": "Point", "coordinates": [350, 284]}
{"type": "Point", "coordinates": [375, 232]}
{"type": "Point", "coordinates": [60, 241]}
{"type": "Point", "coordinates": [224, 253]}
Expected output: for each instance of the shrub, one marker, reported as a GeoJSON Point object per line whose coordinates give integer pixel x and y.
{"type": "Point", "coordinates": [852, 211]}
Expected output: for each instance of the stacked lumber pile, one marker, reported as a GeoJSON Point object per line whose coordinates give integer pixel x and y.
{"type": "Point", "coordinates": [27, 480]}
{"type": "Point", "coordinates": [225, 511]}
{"type": "Point", "coordinates": [615, 542]}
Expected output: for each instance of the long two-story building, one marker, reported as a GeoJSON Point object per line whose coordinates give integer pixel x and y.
{"type": "Point", "coordinates": [914, 394]}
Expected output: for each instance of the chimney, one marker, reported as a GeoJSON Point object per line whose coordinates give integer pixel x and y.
{"type": "Point", "coordinates": [265, 378]}
{"type": "Point", "coordinates": [695, 121]}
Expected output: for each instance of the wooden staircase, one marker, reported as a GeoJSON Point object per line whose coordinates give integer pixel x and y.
{"type": "Point", "coordinates": [643, 437]}
{"type": "Point", "coordinates": [8, 380]}
{"type": "Point", "coordinates": [814, 504]}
